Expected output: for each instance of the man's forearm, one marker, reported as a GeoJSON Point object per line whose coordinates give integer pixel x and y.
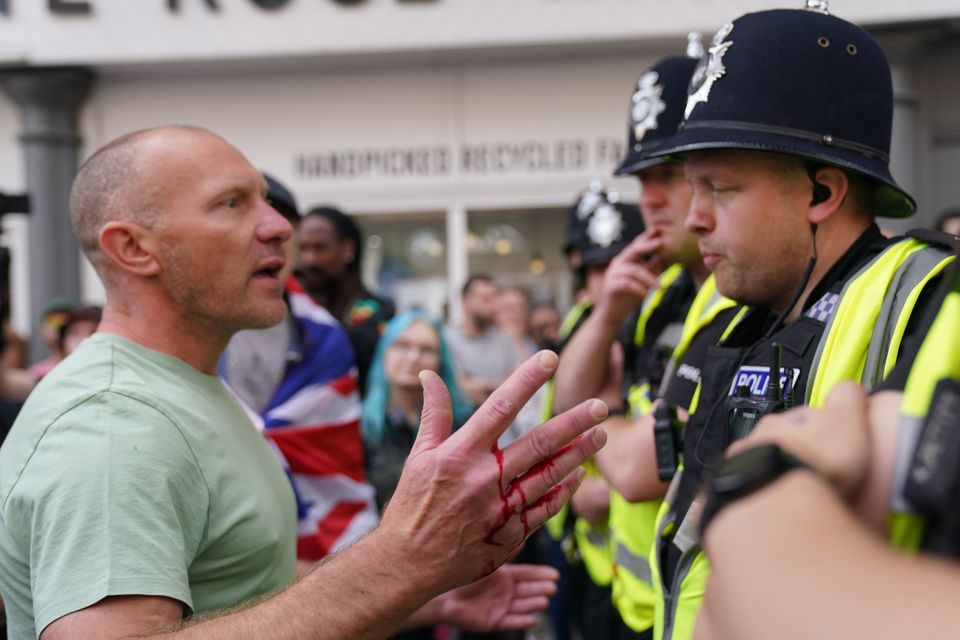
{"type": "Point", "coordinates": [792, 561]}
{"type": "Point", "coordinates": [629, 462]}
{"type": "Point", "coordinates": [585, 364]}
{"type": "Point", "coordinates": [360, 593]}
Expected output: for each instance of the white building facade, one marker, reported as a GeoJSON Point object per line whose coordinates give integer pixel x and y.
{"type": "Point", "coordinates": [458, 131]}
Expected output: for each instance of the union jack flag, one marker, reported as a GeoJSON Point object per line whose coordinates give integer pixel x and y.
{"type": "Point", "coordinates": [312, 423]}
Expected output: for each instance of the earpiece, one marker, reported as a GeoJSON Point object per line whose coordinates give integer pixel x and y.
{"type": "Point", "coordinates": [821, 193]}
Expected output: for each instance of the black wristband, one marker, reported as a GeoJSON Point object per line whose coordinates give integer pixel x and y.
{"type": "Point", "coordinates": [743, 474]}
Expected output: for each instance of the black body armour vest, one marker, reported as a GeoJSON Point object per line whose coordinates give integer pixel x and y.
{"type": "Point", "coordinates": [744, 360]}
{"type": "Point", "coordinates": [647, 362]}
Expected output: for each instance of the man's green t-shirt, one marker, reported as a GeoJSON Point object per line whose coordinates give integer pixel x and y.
{"type": "Point", "coordinates": [130, 472]}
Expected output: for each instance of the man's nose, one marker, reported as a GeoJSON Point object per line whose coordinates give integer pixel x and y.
{"type": "Point", "coordinates": [274, 226]}
{"type": "Point", "coordinates": [699, 217]}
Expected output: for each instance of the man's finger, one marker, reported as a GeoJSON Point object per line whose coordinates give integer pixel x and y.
{"type": "Point", "coordinates": [543, 441]}
{"type": "Point", "coordinates": [531, 604]}
{"type": "Point", "coordinates": [647, 242]}
{"type": "Point", "coordinates": [523, 573]}
{"type": "Point", "coordinates": [549, 504]}
{"type": "Point", "coordinates": [513, 621]}
{"type": "Point", "coordinates": [437, 416]}
{"type": "Point", "coordinates": [495, 415]}
{"type": "Point", "coordinates": [530, 588]}
{"type": "Point", "coordinates": [638, 273]}
{"type": "Point", "coordinates": [848, 396]}
{"type": "Point", "coordinates": [540, 480]}
{"type": "Point", "coordinates": [626, 284]}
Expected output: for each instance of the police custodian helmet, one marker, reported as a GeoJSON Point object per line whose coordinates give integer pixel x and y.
{"type": "Point", "coordinates": [655, 111]}
{"type": "Point", "coordinates": [601, 226]}
{"type": "Point", "coordinates": [801, 82]}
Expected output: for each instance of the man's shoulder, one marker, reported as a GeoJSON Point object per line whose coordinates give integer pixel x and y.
{"type": "Point", "coordinates": [109, 364]}
{"type": "Point", "coordinates": [109, 390]}
{"type": "Point", "coordinates": [75, 416]}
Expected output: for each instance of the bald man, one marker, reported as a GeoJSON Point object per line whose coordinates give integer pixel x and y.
{"type": "Point", "coordinates": [135, 493]}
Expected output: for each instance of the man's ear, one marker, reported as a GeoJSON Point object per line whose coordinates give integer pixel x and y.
{"type": "Point", "coordinates": [830, 190]}
{"type": "Point", "coordinates": [131, 247]}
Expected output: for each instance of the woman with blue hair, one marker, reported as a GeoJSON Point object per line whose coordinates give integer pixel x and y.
{"type": "Point", "coordinates": [411, 342]}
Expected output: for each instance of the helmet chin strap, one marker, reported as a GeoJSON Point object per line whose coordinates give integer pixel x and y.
{"type": "Point", "coordinates": [803, 284]}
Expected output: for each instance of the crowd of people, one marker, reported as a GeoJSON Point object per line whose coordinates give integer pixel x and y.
{"type": "Point", "coordinates": [246, 441]}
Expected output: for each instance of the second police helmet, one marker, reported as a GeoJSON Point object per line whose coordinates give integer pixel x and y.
{"type": "Point", "coordinates": [800, 82]}
{"type": "Point", "coordinates": [656, 109]}
{"type": "Point", "coordinates": [603, 225]}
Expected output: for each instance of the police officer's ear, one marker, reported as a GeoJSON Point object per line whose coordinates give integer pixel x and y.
{"type": "Point", "coordinates": [829, 190]}
{"type": "Point", "coordinates": [130, 247]}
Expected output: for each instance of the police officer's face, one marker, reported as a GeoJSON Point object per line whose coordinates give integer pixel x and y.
{"type": "Point", "coordinates": [664, 201]}
{"type": "Point", "coordinates": [751, 217]}
{"type": "Point", "coordinates": [593, 280]}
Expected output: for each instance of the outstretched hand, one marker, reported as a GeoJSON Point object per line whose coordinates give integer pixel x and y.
{"type": "Point", "coordinates": [462, 506]}
{"type": "Point", "coordinates": [506, 599]}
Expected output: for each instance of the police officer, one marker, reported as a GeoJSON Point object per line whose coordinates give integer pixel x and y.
{"type": "Point", "coordinates": [600, 228]}
{"type": "Point", "coordinates": [831, 475]}
{"type": "Point", "coordinates": [785, 193]}
{"type": "Point", "coordinates": [646, 294]}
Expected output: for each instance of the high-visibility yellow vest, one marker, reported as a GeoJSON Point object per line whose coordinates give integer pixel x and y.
{"type": "Point", "coordinates": [632, 523]}
{"type": "Point", "coordinates": [860, 343]}
{"type": "Point", "coordinates": [937, 359]}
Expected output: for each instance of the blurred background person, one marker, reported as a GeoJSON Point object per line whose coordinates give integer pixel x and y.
{"type": "Point", "coordinates": [55, 315]}
{"type": "Point", "coordinates": [412, 342]}
{"type": "Point", "coordinates": [15, 347]}
{"type": "Point", "coordinates": [483, 355]}
{"type": "Point", "coordinates": [330, 253]}
{"type": "Point", "coordinates": [512, 318]}
{"type": "Point", "coordinates": [545, 326]}
{"type": "Point", "coordinates": [81, 324]}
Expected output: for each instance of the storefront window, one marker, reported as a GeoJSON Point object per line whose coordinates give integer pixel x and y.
{"type": "Point", "coordinates": [522, 247]}
{"type": "Point", "coordinates": [405, 255]}
{"type": "Point", "coordinates": [405, 258]}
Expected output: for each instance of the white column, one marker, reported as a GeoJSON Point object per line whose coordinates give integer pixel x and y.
{"type": "Point", "coordinates": [457, 267]}
{"type": "Point", "coordinates": [50, 101]}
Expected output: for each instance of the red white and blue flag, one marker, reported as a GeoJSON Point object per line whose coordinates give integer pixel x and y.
{"type": "Point", "coordinates": [312, 422]}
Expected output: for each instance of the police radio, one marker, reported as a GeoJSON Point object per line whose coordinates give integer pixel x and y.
{"type": "Point", "coordinates": [933, 480]}
{"type": "Point", "coordinates": [745, 411]}
{"type": "Point", "coordinates": [668, 439]}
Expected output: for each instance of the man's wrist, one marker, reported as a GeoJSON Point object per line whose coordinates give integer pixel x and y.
{"type": "Point", "coordinates": [609, 318]}
{"type": "Point", "coordinates": [793, 491]}
{"type": "Point", "coordinates": [412, 586]}
{"type": "Point", "coordinates": [743, 474]}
